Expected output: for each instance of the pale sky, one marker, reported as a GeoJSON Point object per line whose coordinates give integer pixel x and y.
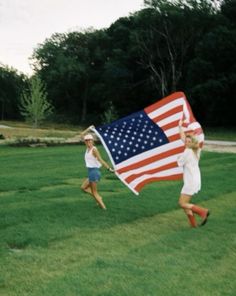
{"type": "Point", "coordinates": [26, 23]}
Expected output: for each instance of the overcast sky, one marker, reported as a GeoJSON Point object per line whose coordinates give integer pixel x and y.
{"type": "Point", "coordinates": [25, 23]}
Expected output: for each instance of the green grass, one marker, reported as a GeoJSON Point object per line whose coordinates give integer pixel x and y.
{"type": "Point", "coordinates": [56, 241]}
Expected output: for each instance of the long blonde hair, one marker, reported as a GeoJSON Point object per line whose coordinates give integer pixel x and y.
{"type": "Point", "coordinates": [194, 145]}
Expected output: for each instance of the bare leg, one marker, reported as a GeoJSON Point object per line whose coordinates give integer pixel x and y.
{"type": "Point", "coordinates": [184, 202]}
{"type": "Point", "coordinates": [186, 206]}
{"type": "Point", "coordinates": [86, 187]}
{"type": "Point", "coordinates": [98, 198]}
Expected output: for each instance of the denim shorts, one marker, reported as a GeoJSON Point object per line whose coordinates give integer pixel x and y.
{"type": "Point", "coordinates": [94, 174]}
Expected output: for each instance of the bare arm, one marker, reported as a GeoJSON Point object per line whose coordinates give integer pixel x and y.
{"type": "Point", "coordinates": [87, 130]}
{"type": "Point", "coordinates": [181, 131]}
{"type": "Point", "coordinates": [99, 158]}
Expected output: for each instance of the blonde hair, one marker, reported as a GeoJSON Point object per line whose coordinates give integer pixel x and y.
{"type": "Point", "coordinates": [194, 145]}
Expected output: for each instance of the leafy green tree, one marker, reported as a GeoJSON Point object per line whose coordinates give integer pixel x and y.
{"type": "Point", "coordinates": [228, 9]}
{"type": "Point", "coordinates": [211, 77]}
{"type": "Point", "coordinates": [110, 114]}
{"type": "Point", "coordinates": [166, 42]}
{"type": "Point", "coordinates": [34, 105]}
{"type": "Point", "coordinates": [11, 86]}
{"type": "Point", "coordinates": [71, 64]}
{"type": "Point", "coordinates": [170, 45]}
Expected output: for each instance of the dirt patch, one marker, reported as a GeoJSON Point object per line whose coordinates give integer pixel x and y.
{"type": "Point", "coordinates": [4, 126]}
{"type": "Point", "coordinates": [219, 148]}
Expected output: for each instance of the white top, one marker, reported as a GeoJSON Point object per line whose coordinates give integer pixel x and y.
{"type": "Point", "coordinates": [90, 160]}
{"type": "Point", "coordinates": [191, 172]}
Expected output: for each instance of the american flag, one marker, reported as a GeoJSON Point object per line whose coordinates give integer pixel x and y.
{"type": "Point", "coordinates": [143, 147]}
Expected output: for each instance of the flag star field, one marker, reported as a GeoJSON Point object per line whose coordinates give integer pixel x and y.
{"type": "Point", "coordinates": [131, 136]}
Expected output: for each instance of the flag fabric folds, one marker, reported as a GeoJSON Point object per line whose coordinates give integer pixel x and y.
{"type": "Point", "coordinates": [143, 147]}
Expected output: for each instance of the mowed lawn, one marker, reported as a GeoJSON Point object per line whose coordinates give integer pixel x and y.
{"type": "Point", "coordinates": [54, 240]}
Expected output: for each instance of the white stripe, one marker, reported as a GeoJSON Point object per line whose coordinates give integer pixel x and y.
{"type": "Point", "coordinates": [127, 184]}
{"type": "Point", "coordinates": [170, 172]}
{"type": "Point", "coordinates": [150, 153]}
{"type": "Point", "coordinates": [153, 165]}
{"type": "Point", "coordinates": [167, 107]}
{"type": "Point", "coordinates": [186, 112]}
{"type": "Point", "coordinates": [169, 119]}
{"type": "Point", "coordinates": [172, 131]}
{"type": "Point", "coordinates": [200, 138]}
{"type": "Point", "coordinates": [194, 125]}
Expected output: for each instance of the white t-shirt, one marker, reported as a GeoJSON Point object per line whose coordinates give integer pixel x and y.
{"type": "Point", "coordinates": [90, 160]}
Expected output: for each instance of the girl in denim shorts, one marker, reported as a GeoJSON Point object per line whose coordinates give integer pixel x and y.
{"type": "Point", "coordinates": [93, 162]}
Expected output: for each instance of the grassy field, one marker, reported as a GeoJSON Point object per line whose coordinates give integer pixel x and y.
{"type": "Point", "coordinates": [56, 241]}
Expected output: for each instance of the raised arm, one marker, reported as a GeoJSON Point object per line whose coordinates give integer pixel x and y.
{"type": "Point", "coordinates": [181, 131]}
{"type": "Point", "coordinates": [87, 130]}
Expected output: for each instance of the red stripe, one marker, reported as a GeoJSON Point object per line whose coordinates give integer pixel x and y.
{"type": "Point", "coordinates": [168, 113]}
{"type": "Point", "coordinates": [151, 159]}
{"type": "Point", "coordinates": [153, 179]}
{"type": "Point", "coordinates": [189, 132]}
{"type": "Point", "coordinates": [177, 136]}
{"type": "Point", "coordinates": [174, 137]}
{"type": "Point", "coordinates": [164, 101]}
{"type": "Point", "coordinates": [152, 171]}
{"type": "Point", "coordinates": [170, 125]}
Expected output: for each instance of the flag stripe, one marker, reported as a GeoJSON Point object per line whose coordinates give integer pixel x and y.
{"type": "Point", "coordinates": [156, 170]}
{"type": "Point", "coordinates": [168, 113]}
{"type": "Point", "coordinates": [150, 153]}
{"type": "Point", "coordinates": [164, 101]}
{"type": "Point", "coordinates": [165, 108]}
{"type": "Point", "coordinates": [151, 159]}
{"type": "Point", "coordinates": [189, 112]}
{"type": "Point", "coordinates": [170, 119]}
{"type": "Point", "coordinates": [172, 131]}
{"type": "Point", "coordinates": [155, 179]}
{"type": "Point", "coordinates": [155, 164]}
{"type": "Point", "coordinates": [174, 137]}
{"type": "Point", "coordinates": [170, 125]}
{"type": "Point", "coordinates": [167, 173]}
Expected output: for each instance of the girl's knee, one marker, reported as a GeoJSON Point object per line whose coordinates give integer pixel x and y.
{"type": "Point", "coordinates": [83, 187]}
{"type": "Point", "coordinates": [181, 201]}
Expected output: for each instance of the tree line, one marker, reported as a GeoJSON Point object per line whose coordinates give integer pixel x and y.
{"type": "Point", "coordinates": [167, 46]}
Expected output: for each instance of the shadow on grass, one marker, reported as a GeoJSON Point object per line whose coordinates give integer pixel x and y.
{"type": "Point", "coordinates": [40, 218]}
{"type": "Point", "coordinates": [43, 217]}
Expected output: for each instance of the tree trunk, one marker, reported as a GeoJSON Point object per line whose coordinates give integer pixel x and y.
{"type": "Point", "coordinates": [84, 106]}
{"type": "Point", "coordinates": [2, 113]}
